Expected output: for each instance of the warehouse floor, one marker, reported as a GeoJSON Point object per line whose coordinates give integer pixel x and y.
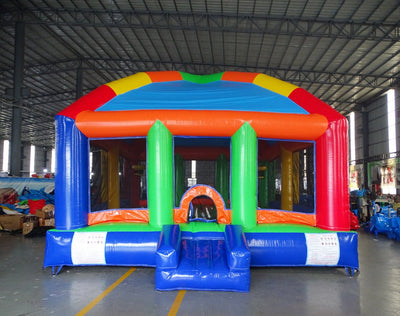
{"type": "Point", "coordinates": [27, 289]}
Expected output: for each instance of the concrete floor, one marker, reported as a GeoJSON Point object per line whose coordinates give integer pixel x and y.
{"type": "Point", "coordinates": [27, 289]}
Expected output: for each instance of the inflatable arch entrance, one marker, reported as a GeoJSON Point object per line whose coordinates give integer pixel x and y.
{"type": "Point", "coordinates": [252, 127]}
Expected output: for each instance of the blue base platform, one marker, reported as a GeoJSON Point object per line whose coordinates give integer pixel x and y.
{"type": "Point", "coordinates": [204, 260]}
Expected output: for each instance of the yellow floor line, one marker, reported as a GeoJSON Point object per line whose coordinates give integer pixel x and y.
{"type": "Point", "coordinates": [105, 293]}
{"type": "Point", "coordinates": [177, 303]}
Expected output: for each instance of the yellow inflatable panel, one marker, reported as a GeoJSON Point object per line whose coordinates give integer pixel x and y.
{"type": "Point", "coordinates": [273, 84]}
{"type": "Point", "coordinates": [286, 180]}
{"type": "Point", "coordinates": [130, 83]}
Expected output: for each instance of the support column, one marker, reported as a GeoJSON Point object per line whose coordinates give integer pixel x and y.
{"type": "Point", "coordinates": [332, 178]}
{"type": "Point", "coordinates": [222, 178]}
{"type": "Point", "coordinates": [271, 181]}
{"type": "Point", "coordinates": [104, 176]}
{"type": "Point", "coordinates": [72, 178]}
{"type": "Point", "coordinates": [263, 186]}
{"type": "Point", "coordinates": [79, 80]}
{"type": "Point", "coordinates": [310, 171]}
{"type": "Point", "coordinates": [244, 177]}
{"type": "Point", "coordinates": [160, 194]}
{"type": "Point", "coordinates": [296, 177]}
{"type": "Point", "coordinates": [179, 179]}
{"type": "Point", "coordinates": [287, 180]}
{"type": "Point", "coordinates": [365, 127]}
{"type": "Point", "coordinates": [19, 48]}
{"type": "Point", "coordinates": [113, 177]}
{"type": "Point", "coordinates": [135, 184]}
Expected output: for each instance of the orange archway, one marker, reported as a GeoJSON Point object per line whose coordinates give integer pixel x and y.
{"type": "Point", "coordinates": [181, 213]}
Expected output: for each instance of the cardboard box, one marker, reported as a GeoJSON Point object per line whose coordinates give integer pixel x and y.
{"type": "Point", "coordinates": [11, 222]}
{"type": "Point", "coordinates": [46, 212]}
{"type": "Point", "coordinates": [29, 223]}
{"type": "Point", "coordinates": [43, 214]}
{"type": "Point", "coordinates": [49, 222]}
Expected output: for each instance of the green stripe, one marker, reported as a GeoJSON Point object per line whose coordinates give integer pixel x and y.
{"type": "Point", "coordinates": [201, 78]}
{"type": "Point", "coordinates": [116, 227]}
{"type": "Point", "coordinates": [287, 228]}
{"type": "Point", "coordinates": [196, 227]}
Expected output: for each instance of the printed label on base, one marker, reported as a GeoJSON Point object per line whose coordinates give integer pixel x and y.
{"type": "Point", "coordinates": [88, 248]}
{"type": "Point", "coordinates": [322, 249]}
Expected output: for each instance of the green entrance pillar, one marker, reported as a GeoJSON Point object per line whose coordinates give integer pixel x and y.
{"type": "Point", "coordinates": [244, 177]}
{"type": "Point", "coordinates": [222, 178]}
{"type": "Point", "coordinates": [160, 175]}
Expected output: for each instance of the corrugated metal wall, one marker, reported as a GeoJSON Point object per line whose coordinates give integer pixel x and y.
{"type": "Point", "coordinates": [377, 121]}
{"type": "Point", "coordinates": [378, 127]}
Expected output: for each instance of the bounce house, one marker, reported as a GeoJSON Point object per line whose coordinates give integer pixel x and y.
{"type": "Point", "coordinates": [201, 177]}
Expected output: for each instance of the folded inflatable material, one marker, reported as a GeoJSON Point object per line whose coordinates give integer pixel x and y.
{"type": "Point", "coordinates": [382, 224]}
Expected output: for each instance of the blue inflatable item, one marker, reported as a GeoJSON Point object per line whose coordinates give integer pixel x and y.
{"type": "Point", "coordinates": [37, 195]}
{"type": "Point", "coordinates": [169, 248]}
{"type": "Point", "coordinates": [294, 249]}
{"type": "Point", "coordinates": [236, 248]}
{"type": "Point", "coordinates": [384, 221]}
{"type": "Point", "coordinates": [100, 248]}
{"type": "Point", "coordinates": [207, 261]}
{"type": "Point", "coordinates": [73, 201]}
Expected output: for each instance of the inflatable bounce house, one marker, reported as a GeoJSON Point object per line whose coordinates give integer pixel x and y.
{"type": "Point", "coordinates": [201, 177]}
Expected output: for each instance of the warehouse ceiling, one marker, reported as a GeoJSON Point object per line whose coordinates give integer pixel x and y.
{"type": "Point", "coordinates": [344, 52]}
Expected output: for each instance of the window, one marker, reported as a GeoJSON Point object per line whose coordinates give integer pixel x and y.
{"type": "Point", "coordinates": [6, 156]}
{"type": "Point", "coordinates": [123, 183]}
{"type": "Point", "coordinates": [202, 160]}
{"type": "Point", "coordinates": [391, 113]}
{"type": "Point", "coordinates": [32, 160]}
{"type": "Point", "coordinates": [53, 161]}
{"type": "Point", "coordinates": [274, 175]}
{"type": "Point", "coordinates": [352, 138]}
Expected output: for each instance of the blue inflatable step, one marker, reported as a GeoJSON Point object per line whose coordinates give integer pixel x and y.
{"type": "Point", "coordinates": [199, 262]}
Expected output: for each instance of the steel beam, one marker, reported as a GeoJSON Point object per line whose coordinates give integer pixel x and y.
{"type": "Point", "coordinates": [79, 78]}
{"type": "Point", "coordinates": [290, 75]}
{"type": "Point", "coordinates": [213, 22]}
{"type": "Point", "coordinates": [15, 165]}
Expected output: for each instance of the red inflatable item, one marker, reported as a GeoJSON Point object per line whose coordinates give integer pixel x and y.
{"type": "Point", "coordinates": [354, 224]}
{"type": "Point", "coordinates": [36, 205]}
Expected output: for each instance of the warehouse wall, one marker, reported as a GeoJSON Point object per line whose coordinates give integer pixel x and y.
{"type": "Point", "coordinates": [378, 127]}
{"type": "Point", "coordinates": [40, 160]}
{"type": "Point", "coordinates": [26, 153]}
{"type": "Point", "coordinates": [375, 113]}
{"type": "Point", "coordinates": [359, 136]}
{"type": "Point", "coordinates": [377, 121]}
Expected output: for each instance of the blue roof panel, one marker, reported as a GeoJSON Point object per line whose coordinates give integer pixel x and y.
{"type": "Point", "coordinates": [217, 95]}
